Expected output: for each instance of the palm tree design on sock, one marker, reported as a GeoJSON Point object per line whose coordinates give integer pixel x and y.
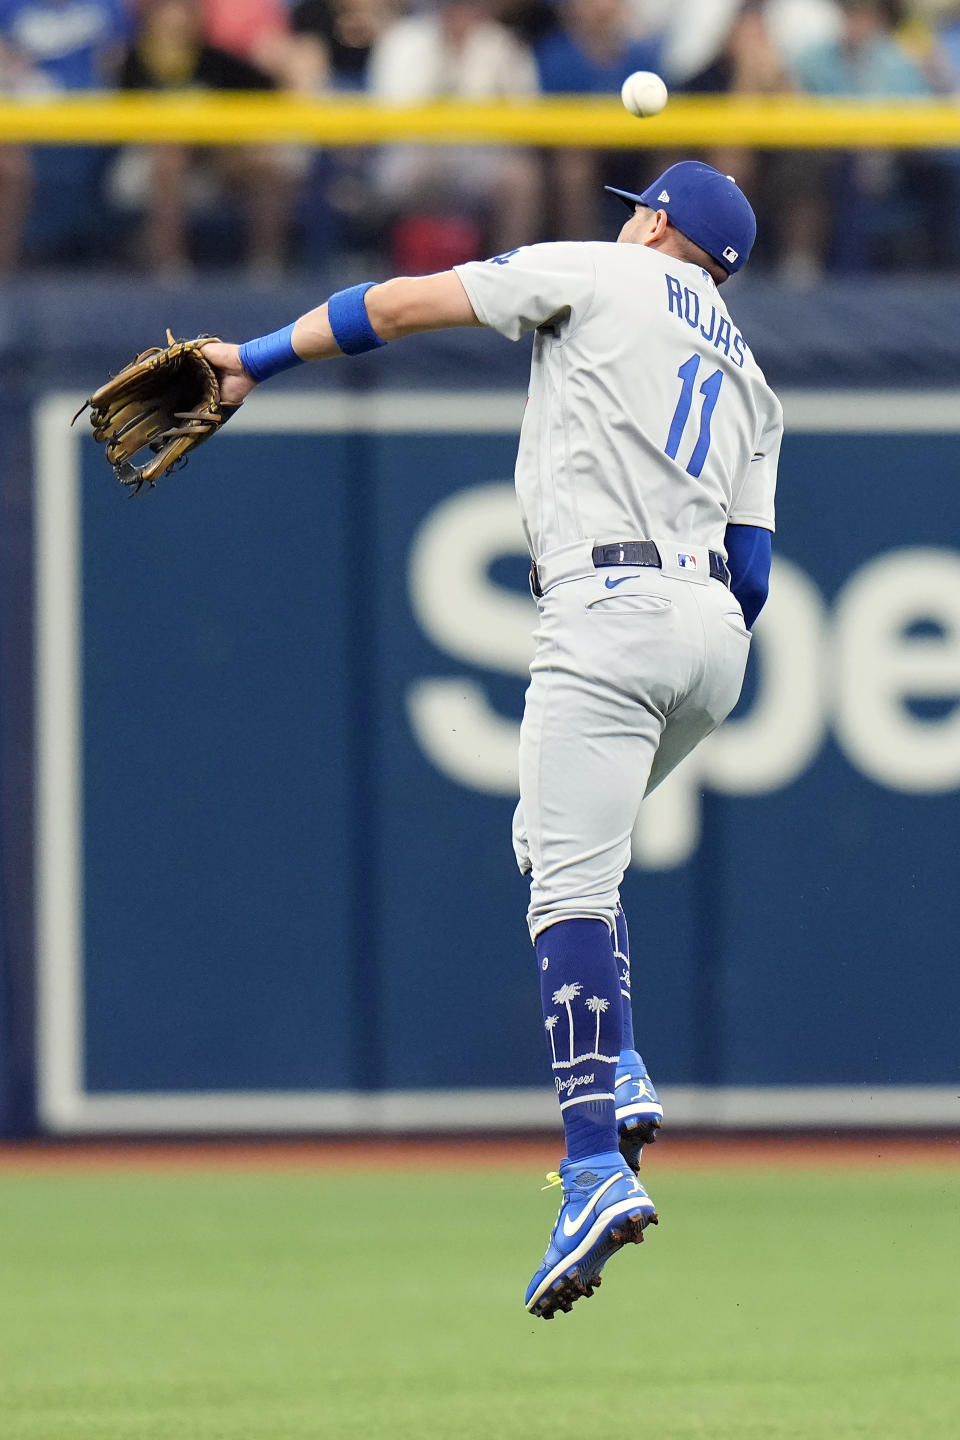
{"type": "Point", "coordinates": [597, 1007]}
{"type": "Point", "coordinates": [563, 996]}
{"type": "Point", "coordinates": [550, 1025]}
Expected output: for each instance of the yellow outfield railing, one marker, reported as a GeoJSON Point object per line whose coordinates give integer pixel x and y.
{"type": "Point", "coordinates": [242, 119]}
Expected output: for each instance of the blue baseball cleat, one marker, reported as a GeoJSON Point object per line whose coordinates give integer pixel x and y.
{"type": "Point", "coordinates": [604, 1207]}
{"type": "Point", "coordinates": [639, 1112]}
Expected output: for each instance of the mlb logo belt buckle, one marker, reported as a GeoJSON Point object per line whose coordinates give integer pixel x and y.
{"type": "Point", "coordinates": [691, 563]}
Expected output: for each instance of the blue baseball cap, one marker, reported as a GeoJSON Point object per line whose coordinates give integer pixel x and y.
{"type": "Point", "coordinates": [706, 206]}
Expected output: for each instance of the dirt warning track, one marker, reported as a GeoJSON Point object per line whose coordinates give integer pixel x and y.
{"type": "Point", "coordinates": [680, 1152]}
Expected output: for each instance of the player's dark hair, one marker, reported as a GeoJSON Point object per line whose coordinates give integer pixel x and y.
{"type": "Point", "coordinates": [686, 249]}
{"type": "Point", "coordinates": [696, 255]}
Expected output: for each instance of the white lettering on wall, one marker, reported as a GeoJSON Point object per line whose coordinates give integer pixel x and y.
{"type": "Point", "coordinates": [473, 620]}
{"type": "Point", "coordinates": [855, 671]}
{"type": "Point", "coordinates": [879, 667]}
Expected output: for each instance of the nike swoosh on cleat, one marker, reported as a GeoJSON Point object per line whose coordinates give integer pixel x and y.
{"type": "Point", "coordinates": [566, 1262]}
{"type": "Point", "coordinates": [582, 1214]}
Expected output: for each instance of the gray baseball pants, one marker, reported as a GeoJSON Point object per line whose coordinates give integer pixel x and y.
{"type": "Point", "coordinates": [633, 667]}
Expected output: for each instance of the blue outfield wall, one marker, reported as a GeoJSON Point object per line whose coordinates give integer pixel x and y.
{"type": "Point", "coordinates": [276, 887]}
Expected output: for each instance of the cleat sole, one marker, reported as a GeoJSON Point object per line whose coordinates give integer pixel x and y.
{"type": "Point", "coordinates": [580, 1282]}
{"type": "Point", "coordinates": [632, 1139]}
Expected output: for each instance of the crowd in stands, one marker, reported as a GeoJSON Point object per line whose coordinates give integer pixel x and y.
{"type": "Point", "coordinates": [169, 210]}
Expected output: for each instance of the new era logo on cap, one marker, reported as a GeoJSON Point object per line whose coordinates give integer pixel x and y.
{"type": "Point", "coordinates": [732, 255]}
{"type": "Point", "coordinates": [664, 196]}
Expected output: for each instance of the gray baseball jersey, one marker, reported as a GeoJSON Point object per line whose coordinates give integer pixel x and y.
{"type": "Point", "coordinates": [648, 417]}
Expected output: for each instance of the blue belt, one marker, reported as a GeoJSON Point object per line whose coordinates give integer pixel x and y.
{"type": "Point", "coordinates": [641, 553]}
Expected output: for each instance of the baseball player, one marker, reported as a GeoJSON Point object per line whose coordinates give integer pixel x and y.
{"type": "Point", "coordinates": [645, 475]}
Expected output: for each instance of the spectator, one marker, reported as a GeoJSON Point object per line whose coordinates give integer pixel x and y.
{"type": "Point", "coordinates": [454, 48]}
{"type": "Point", "coordinates": [866, 208]}
{"type": "Point", "coordinates": [694, 36]}
{"type": "Point", "coordinates": [17, 77]}
{"type": "Point", "coordinates": [799, 26]}
{"type": "Point", "coordinates": [592, 53]}
{"type": "Point", "coordinates": [697, 33]}
{"type": "Point", "coordinates": [74, 43]}
{"type": "Point", "coordinates": [244, 27]}
{"type": "Point", "coordinates": [865, 58]}
{"type": "Point", "coordinates": [945, 34]}
{"type": "Point", "coordinates": [54, 45]}
{"type": "Point", "coordinates": [338, 210]}
{"type": "Point", "coordinates": [259, 31]}
{"type": "Point", "coordinates": [168, 181]}
{"type": "Point", "coordinates": [529, 20]}
{"type": "Point", "coordinates": [594, 50]}
{"type": "Point", "coordinates": [741, 59]}
{"type": "Point", "coordinates": [346, 30]}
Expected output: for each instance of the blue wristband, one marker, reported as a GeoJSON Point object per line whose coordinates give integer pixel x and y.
{"type": "Point", "coordinates": [350, 322]}
{"type": "Point", "coordinates": [270, 354]}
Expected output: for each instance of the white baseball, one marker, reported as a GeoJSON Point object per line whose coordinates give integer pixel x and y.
{"type": "Point", "coordinates": [643, 93]}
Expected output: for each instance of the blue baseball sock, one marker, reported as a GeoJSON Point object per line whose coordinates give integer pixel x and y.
{"type": "Point", "coordinates": [580, 993]}
{"type": "Point", "coordinates": [621, 949]}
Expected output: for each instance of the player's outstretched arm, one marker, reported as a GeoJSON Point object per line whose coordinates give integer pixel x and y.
{"type": "Point", "coordinates": [350, 322]}
{"type": "Point", "coordinates": [408, 305]}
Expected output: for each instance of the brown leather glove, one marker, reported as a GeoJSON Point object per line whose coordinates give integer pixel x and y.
{"type": "Point", "coordinates": [167, 400]}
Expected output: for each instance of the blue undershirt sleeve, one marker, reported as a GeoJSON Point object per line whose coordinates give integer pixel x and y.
{"type": "Point", "coordinates": [749, 552]}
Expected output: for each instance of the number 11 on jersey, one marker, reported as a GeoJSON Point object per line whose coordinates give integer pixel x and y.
{"type": "Point", "coordinates": [710, 390]}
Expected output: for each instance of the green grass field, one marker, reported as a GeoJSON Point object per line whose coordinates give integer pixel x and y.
{"type": "Point", "coordinates": [794, 1305]}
